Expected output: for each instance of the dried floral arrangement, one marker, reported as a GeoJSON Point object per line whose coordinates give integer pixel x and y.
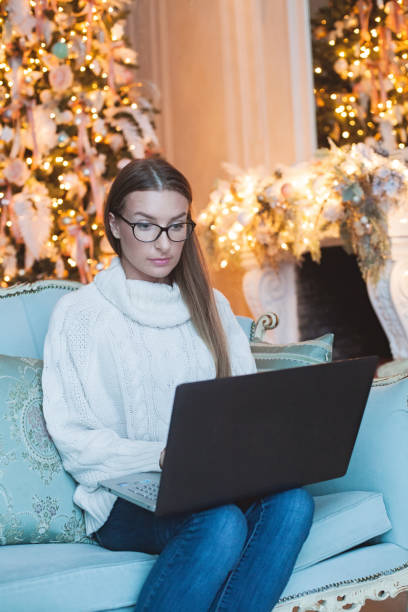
{"type": "Point", "coordinates": [341, 192]}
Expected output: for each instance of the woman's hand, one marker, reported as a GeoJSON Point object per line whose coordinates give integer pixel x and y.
{"type": "Point", "coordinates": [162, 454]}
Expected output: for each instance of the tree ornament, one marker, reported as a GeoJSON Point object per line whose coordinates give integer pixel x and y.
{"type": "Point", "coordinates": [62, 138]}
{"type": "Point", "coordinates": [341, 66]}
{"type": "Point", "coordinates": [60, 50]}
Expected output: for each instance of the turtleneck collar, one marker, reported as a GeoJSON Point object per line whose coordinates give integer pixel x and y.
{"type": "Point", "coordinates": [152, 304]}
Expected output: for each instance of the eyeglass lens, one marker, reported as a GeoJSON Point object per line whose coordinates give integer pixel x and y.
{"type": "Point", "coordinates": [148, 232]}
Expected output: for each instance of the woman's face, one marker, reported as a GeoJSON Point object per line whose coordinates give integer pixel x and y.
{"type": "Point", "coordinates": [149, 261]}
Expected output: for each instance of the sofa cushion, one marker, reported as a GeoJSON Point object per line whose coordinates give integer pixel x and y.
{"type": "Point", "coordinates": [342, 521]}
{"type": "Point", "coordinates": [35, 492]}
{"type": "Point", "coordinates": [70, 577]}
{"type": "Point", "coordinates": [282, 356]}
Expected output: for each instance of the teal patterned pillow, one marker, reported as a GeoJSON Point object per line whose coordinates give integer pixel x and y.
{"type": "Point", "coordinates": [282, 356]}
{"type": "Point", "coordinates": [35, 492]}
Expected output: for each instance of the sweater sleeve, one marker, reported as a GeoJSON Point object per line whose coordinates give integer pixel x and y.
{"type": "Point", "coordinates": [89, 450]}
{"type": "Point", "coordinates": [242, 361]}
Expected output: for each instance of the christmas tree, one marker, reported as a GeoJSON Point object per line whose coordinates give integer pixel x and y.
{"type": "Point", "coordinates": [71, 115]}
{"type": "Point", "coordinates": [360, 50]}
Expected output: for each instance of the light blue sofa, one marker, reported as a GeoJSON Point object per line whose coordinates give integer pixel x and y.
{"type": "Point", "coordinates": [354, 551]}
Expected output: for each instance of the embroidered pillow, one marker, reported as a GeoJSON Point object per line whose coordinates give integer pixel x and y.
{"type": "Point", "coordinates": [35, 491]}
{"type": "Point", "coordinates": [282, 356]}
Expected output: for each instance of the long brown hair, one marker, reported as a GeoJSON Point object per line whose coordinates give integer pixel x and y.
{"type": "Point", "coordinates": [191, 275]}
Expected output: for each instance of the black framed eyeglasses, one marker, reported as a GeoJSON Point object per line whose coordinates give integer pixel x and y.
{"type": "Point", "coordinates": [144, 231]}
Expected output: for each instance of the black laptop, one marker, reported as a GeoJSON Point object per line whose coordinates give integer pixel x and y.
{"type": "Point", "coordinates": [248, 436]}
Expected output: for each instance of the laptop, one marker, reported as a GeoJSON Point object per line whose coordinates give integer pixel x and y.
{"type": "Point", "coordinates": [239, 437]}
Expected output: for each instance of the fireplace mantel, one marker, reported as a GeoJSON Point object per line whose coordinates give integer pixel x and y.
{"type": "Point", "coordinates": [267, 289]}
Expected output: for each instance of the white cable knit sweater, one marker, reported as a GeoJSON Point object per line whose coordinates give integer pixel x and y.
{"type": "Point", "coordinates": [114, 353]}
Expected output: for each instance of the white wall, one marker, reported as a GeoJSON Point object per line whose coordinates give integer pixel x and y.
{"type": "Point", "coordinates": [236, 85]}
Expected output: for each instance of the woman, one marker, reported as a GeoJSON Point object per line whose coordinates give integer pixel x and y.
{"type": "Point", "coordinates": [114, 354]}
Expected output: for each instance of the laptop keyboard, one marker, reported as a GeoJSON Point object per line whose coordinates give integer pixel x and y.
{"type": "Point", "coordinates": [147, 489]}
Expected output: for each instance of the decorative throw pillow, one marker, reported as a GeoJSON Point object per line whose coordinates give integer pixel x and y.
{"type": "Point", "coordinates": [282, 356]}
{"type": "Point", "coordinates": [35, 491]}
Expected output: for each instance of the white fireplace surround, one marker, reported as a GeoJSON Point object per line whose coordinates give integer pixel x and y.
{"type": "Point", "coordinates": [268, 290]}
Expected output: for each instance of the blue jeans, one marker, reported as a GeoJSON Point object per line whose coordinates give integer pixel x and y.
{"type": "Point", "coordinates": [217, 559]}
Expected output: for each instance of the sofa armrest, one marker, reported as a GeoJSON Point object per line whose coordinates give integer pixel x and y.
{"type": "Point", "coordinates": [264, 323]}
{"type": "Point", "coordinates": [255, 330]}
{"type": "Point", "coordinates": [379, 461]}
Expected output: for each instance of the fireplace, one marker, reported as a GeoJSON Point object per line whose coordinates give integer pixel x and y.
{"type": "Point", "coordinates": [332, 297]}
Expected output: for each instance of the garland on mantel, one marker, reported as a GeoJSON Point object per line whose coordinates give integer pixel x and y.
{"type": "Point", "coordinates": [341, 192]}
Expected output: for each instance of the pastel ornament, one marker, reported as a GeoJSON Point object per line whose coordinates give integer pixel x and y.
{"type": "Point", "coordinates": [341, 66]}
{"type": "Point", "coordinates": [17, 172]}
{"type": "Point", "coordinates": [62, 138]}
{"type": "Point", "coordinates": [60, 78]}
{"type": "Point", "coordinates": [287, 191]}
{"type": "Point", "coordinates": [7, 134]}
{"type": "Point", "coordinates": [352, 193]}
{"type": "Point", "coordinates": [60, 50]}
{"type": "Point", "coordinates": [333, 211]}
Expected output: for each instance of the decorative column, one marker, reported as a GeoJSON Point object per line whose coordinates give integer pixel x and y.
{"type": "Point", "coordinates": [389, 296]}
{"type": "Point", "coordinates": [269, 290]}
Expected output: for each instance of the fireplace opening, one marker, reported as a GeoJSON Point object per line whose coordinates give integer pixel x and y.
{"type": "Point", "coordinates": [332, 297]}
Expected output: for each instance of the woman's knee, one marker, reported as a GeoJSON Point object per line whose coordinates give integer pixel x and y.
{"type": "Point", "coordinates": [296, 506]}
{"type": "Point", "coordinates": [228, 521]}
{"type": "Point", "coordinates": [226, 527]}
{"type": "Point", "coordinates": [303, 500]}
{"type": "Point", "coordinates": [301, 507]}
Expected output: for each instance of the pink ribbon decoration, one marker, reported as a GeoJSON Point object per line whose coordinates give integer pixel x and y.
{"type": "Point", "coordinates": [81, 242]}
{"type": "Point", "coordinates": [3, 218]}
{"type": "Point", "coordinates": [85, 153]}
{"type": "Point", "coordinates": [15, 228]}
{"type": "Point", "coordinates": [39, 16]}
{"type": "Point", "coordinates": [97, 196]}
{"type": "Point", "coordinates": [111, 70]}
{"type": "Point", "coordinates": [15, 90]}
{"type": "Point", "coordinates": [31, 122]}
{"type": "Point", "coordinates": [374, 95]}
{"type": "Point", "coordinates": [383, 93]}
{"type": "Point", "coordinates": [395, 19]}
{"type": "Point", "coordinates": [111, 60]}
{"type": "Point", "coordinates": [364, 10]}
{"type": "Point", "coordinates": [81, 138]}
{"type": "Point", "coordinates": [17, 150]}
{"type": "Point", "coordinates": [84, 146]}
{"type": "Point", "coordinates": [89, 32]}
{"type": "Point", "coordinates": [386, 53]}
{"type": "Point", "coordinates": [5, 212]}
